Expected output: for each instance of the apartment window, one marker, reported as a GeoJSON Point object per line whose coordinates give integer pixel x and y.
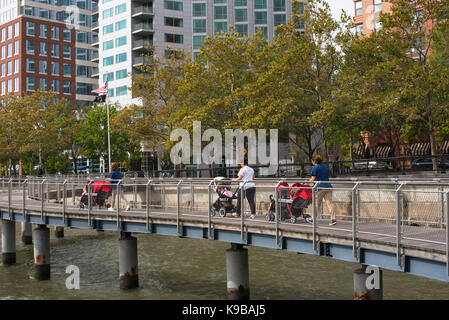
{"type": "Point", "coordinates": [120, 57]}
{"type": "Point", "coordinates": [260, 4]}
{"type": "Point", "coordinates": [108, 77]}
{"type": "Point", "coordinates": [199, 25]}
{"type": "Point", "coordinates": [16, 29]}
{"type": "Point", "coordinates": [3, 87]}
{"type": "Point", "coordinates": [16, 84]}
{"type": "Point", "coordinates": [67, 69]}
{"type": "Point", "coordinates": [173, 5]}
{"type": "Point", "coordinates": [174, 38]}
{"type": "Point", "coordinates": [120, 25]}
{"type": "Point", "coordinates": [108, 61]}
{"type": "Point", "coordinates": [198, 41]}
{"type": "Point", "coordinates": [43, 48]}
{"type": "Point", "coordinates": [55, 85]}
{"type": "Point", "coordinates": [240, 3]}
{"type": "Point", "coordinates": [10, 32]}
{"type": "Point", "coordinates": [67, 52]}
{"type": "Point", "coordinates": [43, 30]}
{"type": "Point", "coordinates": [44, 13]}
{"type": "Point", "coordinates": [54, 50]}
{"type": "Point", "coordinates": [29, 47]}
{"type": "Point", "coordinates": [359, 29]}
{"type": "Point", "coordinates": [30, 65]}
{"type": "Point", "coordinates": [81, 71]}
{"type": "Point", "coordinates": [173, 22]}
{"type": "Point", "coordinates": [67, 87]}
{"type": "Point", "coordinates": [55, 32]}
{"type": "Point", "coordinates": [377, 5]}
{"type": "Point", "coordinates": [43, 67]}
{"type": "Point", "coordinates": [278, 5]}
{"type": "Point", "coordinates": [120, 74]}
{"type": "Point", "coordinates": [220, 1]}
{"type": "Point", "coordinates": [3, 34]}
{"type": "Point", "coordinates": [108, 29]}
{"type": "Point", "coordinates": [108, 13]}
{"type": "Point", "coordinates": [260, 17]}
{"type": "Point", "coordinates": [10, 49]}
{"type": "Point", "coordinates": [358, 8]}
{"type": "Point", "coordinates": [10, 88]}
{"type": "Point", "coordinates": [43, 84]}
{"type": "Point", "coordinates": [120, 41]}
{"type": "Point", "coordinates": [120, 9]}
{"type": "Point", "coordinates": [107, 45]}
{"type": "Point", "coordinates": [121, 91]}
{"type": "Point", "coordinates": [3, 69]}
{"type": "Point", "coordinates": [16, 66]}
{"type": "Point", "coordinates": [16, 47]}
{"type": "Point", "coordinates": [220, 12]}
{"type": "Point", "coordinates": [264, 31]}
{"type": "Point", "coordinates": [241, 15]}
{"type": "Point", "coordinates": [279, 19]}
{"type": "Point", "coordinates": [67, 34]}
{"type": "Point", "coordinates": [220, 26]}
{"type": "Point", "coordinates": [198, 9]}
{"type": "Point", "coordinates": [106, 1]}
{"type": "Point", "coordinates": [30, 26]}
{"type": "Point", "coordinates": [29, 83]}
{"type": "Point", "coordinates": [9, 67]}
{"type": "Point", "coordinates": [55, 68]}
{"type": "Point", "coordinates": [241, 29]}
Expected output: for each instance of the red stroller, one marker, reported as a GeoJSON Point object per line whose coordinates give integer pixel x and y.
{"type": "Point", "coordinates": [291, 207]}
{"type": "Point", "coordinates": [100, 192]}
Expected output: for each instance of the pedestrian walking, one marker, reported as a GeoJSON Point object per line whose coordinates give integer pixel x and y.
{"type": "Point", "coordinates": [114, 176]}
{"type": "Point", "coordinates": [246, 173]}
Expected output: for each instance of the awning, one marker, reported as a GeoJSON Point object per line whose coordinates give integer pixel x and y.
{"type": "Point", "coordinates": [383, 151]}
{"type": "Point", "coordinates": [420, 149]}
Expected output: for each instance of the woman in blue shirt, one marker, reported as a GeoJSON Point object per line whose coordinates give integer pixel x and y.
{"type": "Point", "coordinates": [321, 173]}
{"type": "Point", "coordinates": [115, 176]}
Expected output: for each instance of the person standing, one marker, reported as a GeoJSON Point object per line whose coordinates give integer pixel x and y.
{"type": "Point", "coordinates": [320, 173]}
{"type": "Point", "coordinates": [115, 175]}
{"type": "Point", "coordinates": [246, 173]}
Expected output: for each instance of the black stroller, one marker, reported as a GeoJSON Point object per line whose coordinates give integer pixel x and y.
{"type": "Point", "coordinates": [223, 205]}
{"type": "Point", "coordinates": [100, 192]}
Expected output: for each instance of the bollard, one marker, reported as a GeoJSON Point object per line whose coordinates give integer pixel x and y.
{"type": "Point", "coordinates": [41, 252]}
{"type": "Point", "coordinates": [8, 242]}
{"type": "Point", "coordinates": [59, 232]}
{"type": "Point", "coordinates": [237, 272]}
{"type": "Point", "coordinates": [368, 285]}
{"type": "Point", "coordinates": [129, 277]}
{"type": "Point", "coordinates": [27, 233]}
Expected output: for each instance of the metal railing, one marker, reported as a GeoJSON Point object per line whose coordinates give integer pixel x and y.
{"type": "Point", "coordinates": [142, 26]}
{"type": "Point", "coordinates": [142, 9]}
{"type": "Point", "coordinates": [399, 214]}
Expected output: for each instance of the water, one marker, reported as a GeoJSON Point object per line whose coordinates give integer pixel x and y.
{"type": "Point", "coordinates": [174, 268]}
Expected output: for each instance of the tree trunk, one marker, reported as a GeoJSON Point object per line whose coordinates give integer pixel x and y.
{"type": "Point", "coordinates": [433, 143]}
{"type": "Point", "coordinates": [325, 152]}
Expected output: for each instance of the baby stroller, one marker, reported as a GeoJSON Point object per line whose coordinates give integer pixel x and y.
{"type": "Point", "coordinates": [291, 207]}
{"type": "Point", "coordinates": [223, 205]}
{"type": "Point", "coordinates": [100, 192]}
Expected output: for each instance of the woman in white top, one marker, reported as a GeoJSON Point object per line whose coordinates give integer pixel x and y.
{"type": "Point", "coordinates": [246, 173]}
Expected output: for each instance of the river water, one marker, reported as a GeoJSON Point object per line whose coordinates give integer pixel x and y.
{"type": "Point", "coordinates": [174, 268]}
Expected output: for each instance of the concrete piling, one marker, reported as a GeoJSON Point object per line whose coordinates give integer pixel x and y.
{"type": "Point", "coordinates": [237, 272]}
{"type": "Point", "coordinates": [368, 283]}
{"type": "Point", "coordinates": [8, 242]}
{"type": "Point", "coordinates": [41, 252]}
{"type": "Point", "coordinates": [27, 233]}
{"type": "Point", "coordinates": [129, 277]}
{"type": "Point", "coordinates": [59, 232]}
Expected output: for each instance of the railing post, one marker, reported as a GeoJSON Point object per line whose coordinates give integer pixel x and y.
{"type": "Point", "coordinates": [24, 199]}
{"type": "Point", "coordinates": [148, 202]}
{"type": "Point", "coordinates": [118, 203]}
{"type": "Point", "coordinates": [89, 201]}
{"type": "Point", "coordinates": [209, 216]}
{"type": "Point", "coordinates": [398, 224]}
{"type": "Point", "coordinates": [42, 199]}
{"type": "Point", "coordinates": [178, 208]}
{"type": "Point", "coordinates": [447, 233]}
{"type": "Point", "coordinates": [64, 195]}
{"type": "Point", "coordinates": [135, 193]}
{"type": "Point", "coordinates": [314, 215]}
{"type": "Point", "coordinates": [192, 196]}
{"type": "Point", "coordinates": [9, 197]}
{"type": "Point", "coordinates": [276, 193]}
{"type": "Point", "coordinates": [354, 217]}
{"type": "Point", "coordinates": [242, 208]}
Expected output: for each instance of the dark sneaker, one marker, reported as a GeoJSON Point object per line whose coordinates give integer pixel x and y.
{"type": "Point", "coordinates": [333, 222]}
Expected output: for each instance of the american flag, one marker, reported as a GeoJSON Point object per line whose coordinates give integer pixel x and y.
{"type": "Point", "coordinates": [102, 90]}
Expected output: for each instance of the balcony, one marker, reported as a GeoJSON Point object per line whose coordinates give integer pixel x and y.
{"type": "Point", "coordinates": [95, 26]}
{"type": "Point", "coordinates": [94, 11]}
{"type": "Point", "coordinates": [140, 61]}
{"type": "Point", "coordinates": [95, 72]}
{"type": "Point", "coordinates": [143, 12]}
{"type": "Point", "coordinates": [142, 28]}
{"type": "Point", "coordinates": [95, 56]}
{"type": "Point", "coordinates": [142, 44]}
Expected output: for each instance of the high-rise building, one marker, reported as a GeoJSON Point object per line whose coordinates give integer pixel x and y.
{"type": "Point", "coordinates": [46, 45]}
{"type": "Point", "coordinates": [126, 27]}
{"type": "Point", "coordinates": [367, 13]}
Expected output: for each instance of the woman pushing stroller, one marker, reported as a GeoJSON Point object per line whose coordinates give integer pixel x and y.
{"type": "Point", "coordinates": [246, 174]}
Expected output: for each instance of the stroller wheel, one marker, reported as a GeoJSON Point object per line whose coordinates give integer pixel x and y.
{"type": "Point", "coordinates": [292, 219]}
{"type": "Point", "coordinates": [268, 217]}
{"type": "Point", "coordinates": [81, 206]}
{"type": "Point", "coordinates": [222, 212]}
{"type": "Point", "coordinates": [212, 211]}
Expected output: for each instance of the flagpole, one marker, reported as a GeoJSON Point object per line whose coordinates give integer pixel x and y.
{"type": "Point", "coordinates": [109, 136]}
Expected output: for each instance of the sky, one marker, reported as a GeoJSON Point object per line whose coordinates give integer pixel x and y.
{"type": "Point", "coordinates": [337, 5]}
